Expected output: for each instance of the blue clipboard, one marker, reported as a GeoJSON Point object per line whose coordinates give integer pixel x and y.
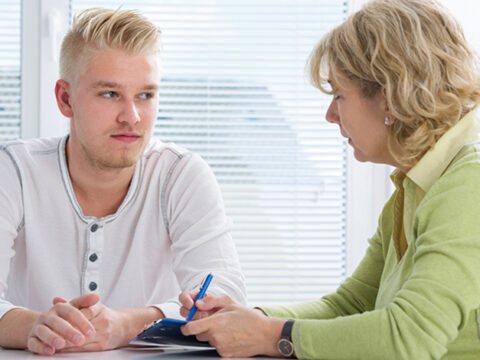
{"type": "Point", "coordinates": [167, 331]}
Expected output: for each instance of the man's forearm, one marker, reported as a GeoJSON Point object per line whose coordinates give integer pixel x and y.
{"type": "Point", "coordinates": [15, 326]}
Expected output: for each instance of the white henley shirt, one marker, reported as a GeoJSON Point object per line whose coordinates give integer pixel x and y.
{"type": "Point", "coordinates": [169, 232]}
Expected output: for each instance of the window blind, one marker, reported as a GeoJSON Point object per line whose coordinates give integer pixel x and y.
{"type": "Point", "coordinates": [235, 91]}
{"type": "Point", "coordinates": [10, 25]}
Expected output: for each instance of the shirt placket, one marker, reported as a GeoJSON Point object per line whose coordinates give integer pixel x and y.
{"type": "Point", "coordinates": [95, 241]}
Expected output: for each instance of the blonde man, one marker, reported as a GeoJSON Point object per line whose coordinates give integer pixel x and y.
{"type": "Point", "coordinates": [101, 229]}
{"type": "Point", "coordinates": [405, 85]}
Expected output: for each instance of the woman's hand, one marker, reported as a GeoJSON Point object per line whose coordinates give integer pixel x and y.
{"type": "Point", "coordinates": [236, 331]}
{"type": "Point", "coordinates": [207, 306]}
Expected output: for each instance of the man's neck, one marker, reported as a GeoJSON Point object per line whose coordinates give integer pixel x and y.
{"type": "Point", "coordinates": [99, 191]}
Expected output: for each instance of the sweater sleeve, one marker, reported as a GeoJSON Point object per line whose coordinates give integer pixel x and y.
{"type": "Point", "coordinates": [426, 314]}
{"type": "Point", "coordinates": [357, 293]}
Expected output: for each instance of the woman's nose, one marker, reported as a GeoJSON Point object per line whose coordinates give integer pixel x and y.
{"type": "Point", "coordinates": [332, 116]}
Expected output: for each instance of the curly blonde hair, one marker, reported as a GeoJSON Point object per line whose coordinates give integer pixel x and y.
{"type": "Point", "coordinates": [416, 51]}
{"type": "Point", "coordinates": [97, 29]}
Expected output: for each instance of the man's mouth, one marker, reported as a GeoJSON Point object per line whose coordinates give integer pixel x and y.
{"type": "Point", "coordinates": [126, 137]}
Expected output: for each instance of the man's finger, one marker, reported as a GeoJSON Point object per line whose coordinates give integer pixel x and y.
{"type": "Point", "coordinates": [75, 317]}
{"type": "Point", "coordinates": [86, 300]}
{"type": "Point", "coordinates": [48, 335]}
{"type": "Point", "coordinates": [58, 299]}
{"type": "Point", "coordinates": [36, 346]}
{"type": "Point", "coordinates": [92, 346]}
{"type": "Point", "coordinates": [63, 328]}
{"type": "Point", "coordinates": [92, 311]}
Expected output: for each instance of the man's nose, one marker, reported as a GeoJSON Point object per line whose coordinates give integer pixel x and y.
{"type": "Point", "coordinates": [129, 113]}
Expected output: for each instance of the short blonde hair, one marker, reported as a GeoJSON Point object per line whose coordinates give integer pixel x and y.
{"type": "Point", "coordinates": [416, 51]}
{"type": "Point", "coordinates": [97, 29]}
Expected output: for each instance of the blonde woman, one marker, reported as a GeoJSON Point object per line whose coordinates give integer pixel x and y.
{"type": "Point", "coordinates": [405, 85]}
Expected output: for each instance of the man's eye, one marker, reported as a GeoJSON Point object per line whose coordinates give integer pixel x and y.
{"type": "Point", "coordinates": [109, 94]}
{"type": "Point", "coordinates": [146, 96]}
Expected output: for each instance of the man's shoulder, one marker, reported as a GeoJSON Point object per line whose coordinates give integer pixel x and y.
{"type": "Point", "coordinates": [157, 149]}
{"type": "Point", "coordinates": [31, 146]}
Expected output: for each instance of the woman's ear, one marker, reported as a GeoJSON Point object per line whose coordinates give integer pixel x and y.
{"type": "Point", "coordinates": [389, 118]}
{"type": "Point", "coordinates": [62, 94]}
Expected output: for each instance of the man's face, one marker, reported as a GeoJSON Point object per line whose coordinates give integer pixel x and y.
{"type": "Point", "coordinates": [114, 102]}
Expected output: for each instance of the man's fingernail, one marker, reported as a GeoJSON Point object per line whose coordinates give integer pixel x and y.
{"type": "Point", "coordinates": [89, 333]}
{"type": "Point", "coordinates": [77, 339]}
{"type": "Point", "coordinates": [56, 343]}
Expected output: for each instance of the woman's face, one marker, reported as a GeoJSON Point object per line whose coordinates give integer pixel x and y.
{"type": "Point", "coordinates": [361, 121]}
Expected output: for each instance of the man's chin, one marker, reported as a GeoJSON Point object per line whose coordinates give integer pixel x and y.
{"type": "Point", "coordinates": [121, 161]}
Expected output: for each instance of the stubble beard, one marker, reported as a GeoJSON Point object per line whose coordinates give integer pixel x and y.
{"type": "Point", "coordinates": [109, 160]}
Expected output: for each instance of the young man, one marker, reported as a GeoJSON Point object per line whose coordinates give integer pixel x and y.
{"type": "Point", "coordinates": [105, 217]}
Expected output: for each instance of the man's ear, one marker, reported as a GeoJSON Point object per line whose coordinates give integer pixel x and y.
{"type": "Point", "coordinates": [62, 94]}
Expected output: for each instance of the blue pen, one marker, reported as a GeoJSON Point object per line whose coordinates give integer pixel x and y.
{"type": "Point", "coordinates": [200, 295]}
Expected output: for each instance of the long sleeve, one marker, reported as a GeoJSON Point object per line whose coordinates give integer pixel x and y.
{"type": "Point", "coordinates": [11, 217]}
{"type": "Point", "coordinates": [200, 232]}
{"type": "Point", "coordinates": [356, 294]}
{"type": "Point", "coordinates": [424, 301]}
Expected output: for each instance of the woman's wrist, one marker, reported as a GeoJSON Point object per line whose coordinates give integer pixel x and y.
{"type": "Point", "coordinates": [137, 320]}
{"type": "Point", "coordinates": [273, 330]}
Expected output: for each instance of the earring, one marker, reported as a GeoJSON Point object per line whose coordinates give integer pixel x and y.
{"type": "Point", "coordinates": [388, 120]}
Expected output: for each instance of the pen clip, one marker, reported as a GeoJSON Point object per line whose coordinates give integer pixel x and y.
{"type": "Point", "coordinates": [203, 282]}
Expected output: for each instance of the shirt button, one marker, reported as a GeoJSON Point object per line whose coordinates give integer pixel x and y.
{"type": "Point", "coordinates": [93, 257]}
{"type": "Point", "coordinates": [92, 286]}
{"type": "Point", "coordinates": [94, 228]}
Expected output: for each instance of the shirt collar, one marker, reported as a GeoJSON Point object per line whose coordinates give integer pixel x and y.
{"type": "Point", "coordinates": [432, 165]}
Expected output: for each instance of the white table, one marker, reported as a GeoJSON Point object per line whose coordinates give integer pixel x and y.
{"type": "Point", "coordinates": [119, 354]}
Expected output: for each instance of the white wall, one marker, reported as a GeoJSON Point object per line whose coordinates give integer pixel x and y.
{"type": "Point", "coordinates": [467, 12]}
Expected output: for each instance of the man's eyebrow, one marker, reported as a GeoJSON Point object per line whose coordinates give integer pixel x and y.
{"type": "Point", "coordinates": [106, 84]}
{"type": "Point", "coordinates": [114, 85]}
{"type": "Point", "coordinates": [151, 87]}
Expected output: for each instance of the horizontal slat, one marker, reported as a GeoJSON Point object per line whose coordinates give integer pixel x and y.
{"type": "Point", "coordinates": [10, 45]}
